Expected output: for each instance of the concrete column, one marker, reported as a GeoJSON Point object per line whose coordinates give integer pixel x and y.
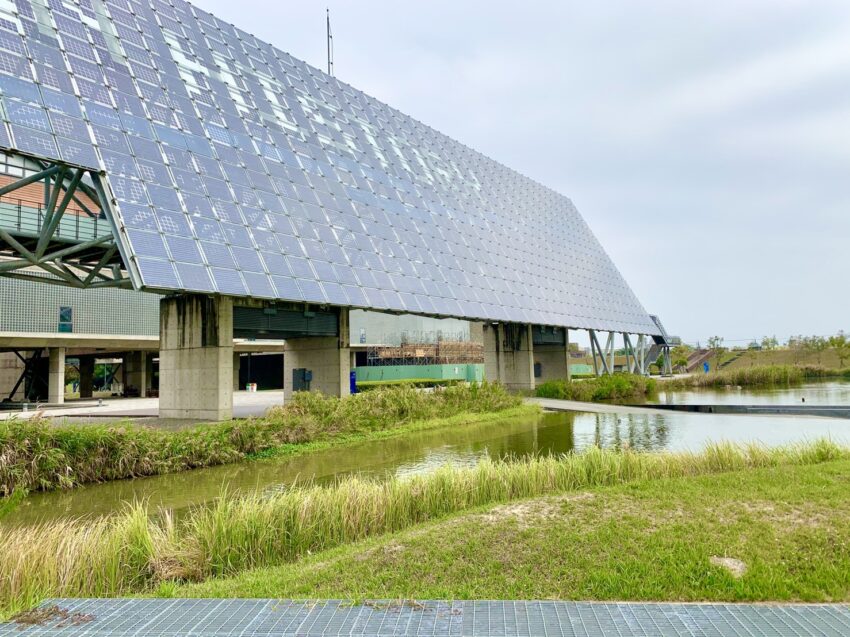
{"type": "Point", "coordinates": [553, 362]}
{"type": "Point", "coordinates": [148, 358]}
{"type": "Point", "coordinates": [567, 352]}
{"type": "Point", "coordinates": [196, 357]}
{"type": "Point", "coordinates": [56, 376]}
{"type": "Point", "coordinates": [518, 361]}
{"type": "Point", "coordinates": [488, 335]}
{"type": "Point", "coordinates": [327, 357]}
{"type": "Point", "coordinates": [499, 334]}
{"type": "Point", "coordinates": [86, 376]}
{"type": "Point", "coordinates": [136, 373]}
{"type": "Point", "coordinates": [236, 365]}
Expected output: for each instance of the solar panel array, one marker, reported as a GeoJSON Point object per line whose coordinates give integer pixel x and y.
{"type": "Point", "coordinates": [241, 170]}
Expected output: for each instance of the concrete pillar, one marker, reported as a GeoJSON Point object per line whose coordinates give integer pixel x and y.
{"type": "Point", "coordinates": [148, 358]}
{"type": "Point", "coordinates": [136, 374]}
{"type": "Point", "coordinates": [327, 357]}
{"type": "Point", "coordinates": [499, 329]}
{"type": "Point", "coordinates": [553, 361]}
{"type": "Point", "coordinates": [56, 376]}
{"type": "Point", "coordinates": [236, 366]}
{"type": "Point", "coordinates": [86, 376]}
{"type": "Point", "coordinates": [519, 361]}
{"type": "Point", "coordinates": [196, 357]}
{"type": "Point", "coordinates": [488, 335]}
{"type": "Point", "coordinates": [11, 368]}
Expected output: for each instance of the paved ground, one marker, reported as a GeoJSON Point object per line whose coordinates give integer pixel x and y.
{"type": "Point", "coordinates": [247, 618]}
{"type": "Point", "coordinates": [147, 409]}
{"type": "Point", "coordinates": [596, 408]}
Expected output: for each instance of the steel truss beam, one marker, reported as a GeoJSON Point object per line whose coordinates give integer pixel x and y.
{"type": "Point", "coordinates": [33, 243]}
{"type": "Point", "coordinates": [27, 374]}
{"type": "Point", "coordinates": [604, 355]}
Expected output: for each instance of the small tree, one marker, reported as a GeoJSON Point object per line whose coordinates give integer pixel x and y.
{"type": "Point", "coordinates": [679, 357]}
{"type": "Point", "coordinates": [841, 344]}
{"type": "Point", "coordinates": [715, 344]}
{"type": "Point", "coordinates": [817, 344]}
{"type": "Point", "coordinates": [796, 344]}
{"type": "Point", "coordinates": [769, 343]}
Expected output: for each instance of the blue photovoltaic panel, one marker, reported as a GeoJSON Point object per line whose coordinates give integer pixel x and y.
{"type": "Point", "coordinates": [241, 170]}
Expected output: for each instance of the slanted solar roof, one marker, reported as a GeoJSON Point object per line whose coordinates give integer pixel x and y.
{"type": "Point", "coordinates": [241, 170]}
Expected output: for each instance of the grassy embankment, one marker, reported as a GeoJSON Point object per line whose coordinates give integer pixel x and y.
{"type": "Point", "coordinates": [761, 376]}
{"type": "Point", "coordinates": [773, 534]}
{"type": "Point", "coordinates": [37, 455]}
{"type": "Point", "coordinates": [609, 387]}
{"type": "Point", "coordinates": [827, 358]}
{"type": "Point", "coordinates": [134, 552]}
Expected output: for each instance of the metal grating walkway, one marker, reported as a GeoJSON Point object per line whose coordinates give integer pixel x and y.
{"type": "Point", "coordinates": [246, 618]}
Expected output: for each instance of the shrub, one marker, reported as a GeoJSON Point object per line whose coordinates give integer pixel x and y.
{"type": "Point", "coordinates": [759, 375]}
{"type": "Point", "coordinates": [609, 387]}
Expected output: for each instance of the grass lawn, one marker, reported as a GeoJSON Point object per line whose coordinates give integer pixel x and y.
{"type": "Point", "coordinates": [780, 534]}
{"type": "Point", "coordinates": [828, 358]}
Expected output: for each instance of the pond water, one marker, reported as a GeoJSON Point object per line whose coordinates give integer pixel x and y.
{"type": "Point", "coordinates": [821, 393]}
{"type": "Point", "coordinates": [547, 433]}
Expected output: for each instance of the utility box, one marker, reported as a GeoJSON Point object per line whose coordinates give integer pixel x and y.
{"type": "Point", "coordinates": [301, 378]}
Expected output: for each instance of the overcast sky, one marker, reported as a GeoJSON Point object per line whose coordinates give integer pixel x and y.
{"type": "Point", "coordinates": [706, 144]}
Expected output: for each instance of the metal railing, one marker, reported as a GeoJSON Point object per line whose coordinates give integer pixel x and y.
{"type": "Point", "coordinates": [25, 217]}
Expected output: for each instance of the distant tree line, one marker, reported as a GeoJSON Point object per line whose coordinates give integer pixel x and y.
{"type": "Point", "coordinates": [800, 345]}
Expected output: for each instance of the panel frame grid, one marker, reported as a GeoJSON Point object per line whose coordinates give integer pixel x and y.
{"type": "Point", "coordinates": [190, 117]}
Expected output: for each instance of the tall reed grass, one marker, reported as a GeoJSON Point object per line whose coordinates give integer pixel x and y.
{"type": "Point", "coordinates": [759, 375]}
{"type": "Point", "coordinates": [609, 387]}
{"type": "Point", "coordinates": [133, 551]}
{"type": "Point", "coordinates": [38, 455]}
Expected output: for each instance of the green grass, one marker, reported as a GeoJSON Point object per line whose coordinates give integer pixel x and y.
{"type": "Point", "coordinates": [649, 540]}
{"type": "Point", "coordinates": [37, 455]}
{"type": "Point", "coordinates": [136, 552]}
{"type": "Point", "coordinates": [758, 358]}
{"type": "Point", "coordinates": [609, 387]}
{"type": "Point", "coordinates": [758, 376]}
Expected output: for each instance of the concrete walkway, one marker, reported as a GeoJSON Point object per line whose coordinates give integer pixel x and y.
{"type": "Point", "coordinates": [250, 617]}
{"type": "Point", "coordinates": [244, 404]}
{"type": "Point", "coordinates": [554, 404]}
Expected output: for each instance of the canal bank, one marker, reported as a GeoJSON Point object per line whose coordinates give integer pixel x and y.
{"type": "Point", "coordinates": [775, 534]}
{"type": "Point", "coordinates": [42, 455]}
{"type": "Point", "coordinates": [461, 441]}
{"type": "Point", "coordinates": [136, 552]}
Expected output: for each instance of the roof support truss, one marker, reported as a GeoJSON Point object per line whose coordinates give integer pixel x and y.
{"type": "Point", "coordinates": [68, 235]}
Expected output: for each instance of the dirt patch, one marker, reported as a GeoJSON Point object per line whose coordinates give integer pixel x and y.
{"type": "Point", "coordinates": [384, 553]}
{"type": "Point", "coordinates": [527, 511]}
{"type": "Point", "coordinates": [736, 568]}
{"type": "Point", "coordinates": [784, 516]}
{"type": "Point", "coordinates": [44, 615]}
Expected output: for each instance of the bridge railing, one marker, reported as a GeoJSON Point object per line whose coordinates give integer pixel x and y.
{"type": "Point", "coordinates": [24, 217]}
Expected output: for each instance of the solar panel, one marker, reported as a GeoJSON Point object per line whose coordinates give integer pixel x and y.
{"type": "Point", "coordinates": [239, 169]}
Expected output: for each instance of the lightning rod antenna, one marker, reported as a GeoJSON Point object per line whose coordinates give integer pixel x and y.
{"type": "Point", "coordinates": [330, 43]}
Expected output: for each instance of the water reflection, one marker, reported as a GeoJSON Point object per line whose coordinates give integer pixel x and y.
{"type": "Point", "coordinates": [550, 433]}
{"type": "Point", "coordinates": [631, 431]}
{"type": "Point", "coordinates": [819, 393]}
